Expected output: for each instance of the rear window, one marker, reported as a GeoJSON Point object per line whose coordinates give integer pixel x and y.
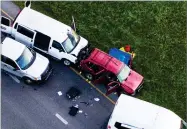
{"type": "Point", "coordinates": [25, 31]}
{"type": "Point", "coordinates": [5, 21]}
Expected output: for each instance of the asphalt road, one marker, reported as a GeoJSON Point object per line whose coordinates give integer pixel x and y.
{"type": "Point", "coordinates": [40, 107]}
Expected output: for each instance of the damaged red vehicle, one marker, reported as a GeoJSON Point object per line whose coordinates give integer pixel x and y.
{"type": "Point", "coordinates": [100, 67]}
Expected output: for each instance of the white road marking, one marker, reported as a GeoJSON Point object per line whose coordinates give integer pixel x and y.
{"type": "Point", "coordinates": [14, 78]}
{"type": "Point", "coordinates": [61, 119]}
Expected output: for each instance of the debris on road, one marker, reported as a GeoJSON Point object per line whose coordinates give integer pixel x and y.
{"type": "Point", "coordinates": [96, 99]}
{"type": "Point", "coordinates": [59, 93]}
{"type": "Point", "coordinates": [87, 103]}
{"type": "Point", "coordinates": [73, 93]}
{"type": "Point", "coordinates": [73, 110]}
{"type": "Point", "coordinates": [80, 111]}
{"type": "Point", "coordinates": [85, 114]}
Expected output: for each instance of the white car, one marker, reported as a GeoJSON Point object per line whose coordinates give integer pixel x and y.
{"type": "Point", "coordinates": [133, 113]}
{"type": "Point", "coordinates": [23, 62]}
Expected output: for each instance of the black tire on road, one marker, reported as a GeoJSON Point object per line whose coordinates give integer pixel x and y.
{"type": "Point", "coordinates": [89, 76]}
{"type": "Point", "coordinates": [66, 62]}
{"type": "Point", "coordinates": [27, 81]}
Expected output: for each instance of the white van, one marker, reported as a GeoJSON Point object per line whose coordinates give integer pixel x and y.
{"type": "Point", "coordinates": [46, 35]}
{"type": "Point", "coordinates": [132, 113]}
{"type": "Point", "coordinates": [24, 62]}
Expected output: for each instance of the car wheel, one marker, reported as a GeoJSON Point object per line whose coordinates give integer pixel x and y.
{"type": "Point", "coordinates": [89, 76]}
{"type": "Point", "coordinates": [67, 62]}
{"type": "Point", "coordinates": [27, 81]}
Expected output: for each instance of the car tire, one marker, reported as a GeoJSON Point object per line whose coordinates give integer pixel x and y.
{"type": "Point", "coordinates": [89, 76]}
{"type": "Point", "coordinates": [27, 80]}
{"type": "Point", "coordinates": [66, 62]}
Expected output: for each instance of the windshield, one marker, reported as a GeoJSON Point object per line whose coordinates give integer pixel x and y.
{"type": "Point", "coordinates": [183, 125]}
{"type": "Point", "coordinates": [124, 73]}
{"type": "Point", "coordinates": [71, 42]}
{"type": "Point", "coordinates": [26, 59]}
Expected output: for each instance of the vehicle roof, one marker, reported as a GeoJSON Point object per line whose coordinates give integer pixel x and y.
{"type": "Point", "coordinates": [143, 115]}
{"type": "Point", "coordinates": [105, 60]}
{"type": "Point", "coordinates": [120, 55]}
{"type": "Point", "coordinates": [43, 23]}
{"type": "Point", "coordinates": [11, 48]}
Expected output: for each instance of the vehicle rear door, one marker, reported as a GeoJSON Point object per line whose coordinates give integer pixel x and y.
{"type": "Point", "coordinates": [25, 35]}
{"type": "Point", "coordinates": [6, 25]}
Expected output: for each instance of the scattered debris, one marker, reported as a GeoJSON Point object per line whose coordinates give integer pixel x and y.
{"type": "Point", "coordinates": [77, 97]}
{"type": "Point", "coordinates": [80, 111]}
{"type": "Point", "coordinates": [76, 106]}
{"type": "Point", "coordinates": [73, 93]}
{"type": "Point", "coordinates": [85, 114]}
{"type": "Point", "coordinates": [96, 99]}
{"type": "Point", "coordinates": [59, 93]}
{"type": "Point", "coordinates": [73, 110]}
{"type": "Point", "coordinates": [87, 103]}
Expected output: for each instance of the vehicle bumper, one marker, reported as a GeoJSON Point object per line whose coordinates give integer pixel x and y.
{"type": "Point", "coordinates": [46, 74]}
{"type": "Point", "coordinates": [138, 89]}
{"type": "Point", "coordinates": [84, 53]}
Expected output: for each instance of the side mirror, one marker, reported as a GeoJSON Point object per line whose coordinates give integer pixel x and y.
{"type": "Point", "coordinates": [28, 3]}
{"type": "Point", "coordinates": [60, 50]}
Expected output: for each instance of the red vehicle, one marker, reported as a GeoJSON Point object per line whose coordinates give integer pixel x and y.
{"type": "Point", "coordinates": [100, 67]}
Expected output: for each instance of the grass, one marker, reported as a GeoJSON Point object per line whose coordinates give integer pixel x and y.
{"type": "Point", "coordinates": [155, 30]}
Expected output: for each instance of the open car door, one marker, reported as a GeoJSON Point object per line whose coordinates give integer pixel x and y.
{"type": "Point", "coordinates": [112, 87]}
{"type": "Point", "coordinates": [6, 25]}
{"type": "Point", "coordinates": [73, 24]}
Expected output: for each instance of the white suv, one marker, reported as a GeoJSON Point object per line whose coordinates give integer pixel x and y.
{"type": "Point", "coordinates": [21, 61]}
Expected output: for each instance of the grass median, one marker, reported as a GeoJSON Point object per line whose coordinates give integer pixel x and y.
{"type": "Point", "coordinates": [155, 30]}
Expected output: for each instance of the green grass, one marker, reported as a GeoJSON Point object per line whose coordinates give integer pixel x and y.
{"type": "Point", "coordinates": [155, 30]}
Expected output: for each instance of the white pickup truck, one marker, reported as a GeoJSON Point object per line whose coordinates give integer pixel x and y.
{"type": "Point", "coordinates": [24, 62]}
{"type": "Point", "coordinates": [46, 35]}
{"type": "Point", "coordinates": [133, 113]}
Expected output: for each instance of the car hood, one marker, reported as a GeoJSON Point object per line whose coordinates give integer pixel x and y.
{"type": "Point", "coordinates": [133, 80]}
{"type": "Point", "coordinates": [38, 67]}
{"type": "Point", "coordinates": [82, 43]}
